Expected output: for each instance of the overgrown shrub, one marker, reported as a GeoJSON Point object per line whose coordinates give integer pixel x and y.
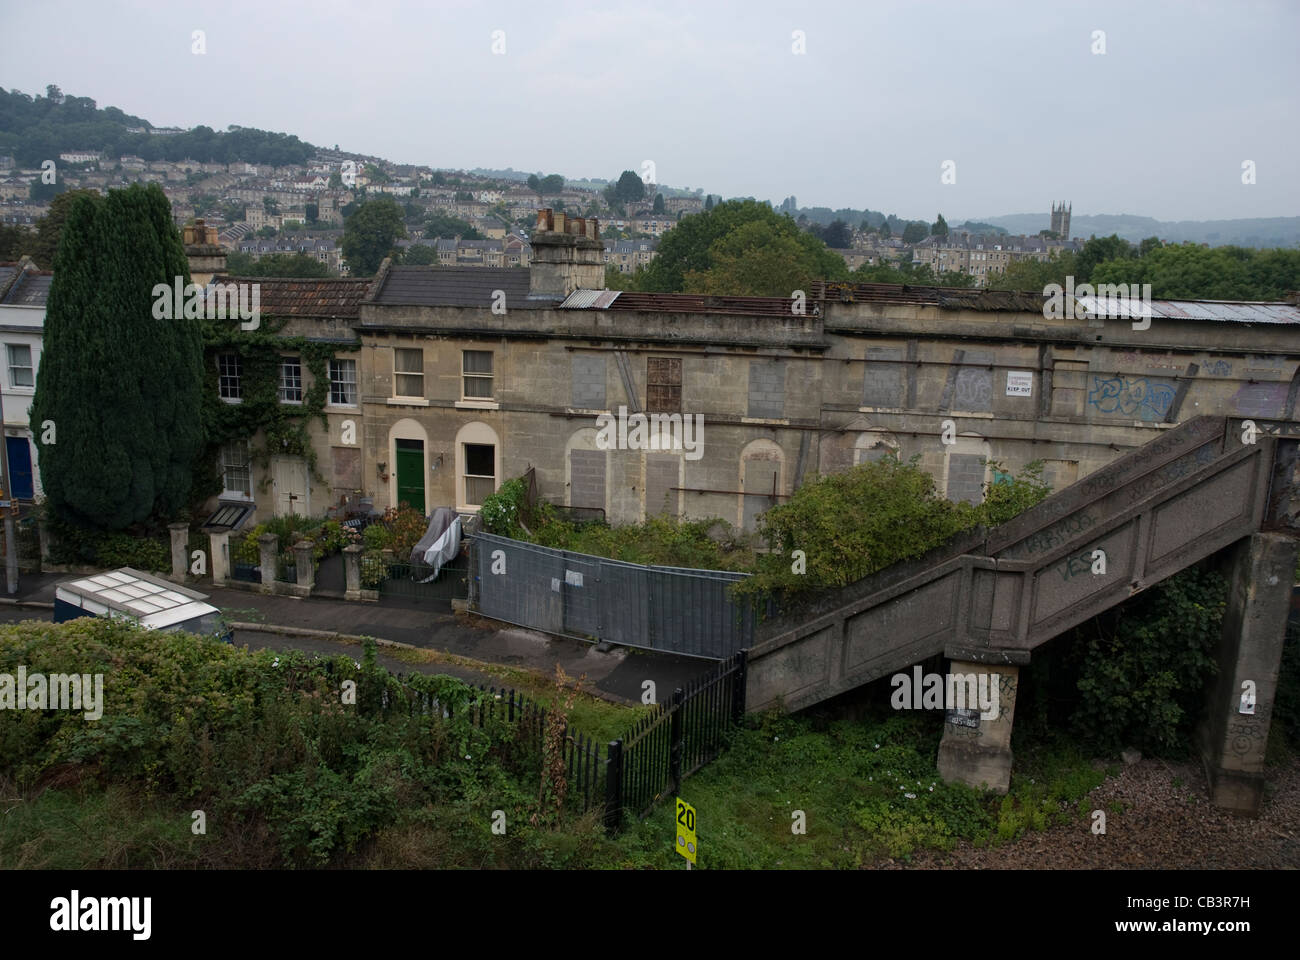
{"type": "Point", "coordinates": [1142, 673]}
{"type": "Point", "coordinates": [376, 537]}
{"type": "Point", "coordinates": [374, 569]}
{"type": "Point", "coordinates": [407, 525]}
{"type": "Point", "coordinates": [258, 739]}
{"type": "Point", "coordinates": [852, 524]}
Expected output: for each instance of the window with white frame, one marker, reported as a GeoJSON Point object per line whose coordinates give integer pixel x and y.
{"type": "Point", "coordinates": [20, 365]}
{"type": "Point", "coordinates": [236, 474]}
{"type": "Point", "coordinates": [477, 370]}
{"type": "Point", "coordinates": [480, 472]}
{"type": "Point", "coordinates": [343, 382]}
{"type": "Point", "coordinates": [290, 380]}
{"type": "Point", "coordinates": [408, 372]}
{"type": "Point", "coordinates": [228, 370]}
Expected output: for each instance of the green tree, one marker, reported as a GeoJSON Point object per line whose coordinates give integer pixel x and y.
{"type": "Point", "coordinates": [629, 188]}
{"type": "Point", "coordinates": [884, 230]}
{"type": "Point", "coordinates": [444, 226]}
{"type": "Point", "coordinates": [336, 180]}
{"type": "Point", "coordinates": [123, 387]}
{"type": "Point", "coordinates": [708, 202]}
{"type": "Point", "coordinates": [370, 234]}
{"type": "Point", "coordinates": [552, 183]}
{"type": "Point", "coordinates": [1098, 250]}
{"type": "Point", "coordinates": [939, 228]}
{"type": "Point", "coordinates": [312, 211]}
{"type": "Point", "coordinates": [420, 255]}
{"type": "Point", "coordinates": [690, 248]}
{"type": "Point", "coordinates": [535, 183]}
{"type": "Point", "coordinates": [14, 241]}
{"type": "Point", "coordinates": [765, 257]}
{"type": "Point", "coordinates": [276, 265]}
{"type": "Point", "coordinates": [659, 203]}
{"type": "Point", "coordinates": [915, 232]}
{"type": "Point", "coordinates": [42, 247]}
{"type": "Point", "coordinates": [1033, 276]}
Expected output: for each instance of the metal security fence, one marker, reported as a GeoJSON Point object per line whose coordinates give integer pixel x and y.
{"type": "Point", "coordinates": [675, 740]}
{"type": "Point", "coordinates": [631, 774]}
{"type": "Point", "coordinates": [672, 609]}
{"type": "Point", "coordinates": [419, 581]}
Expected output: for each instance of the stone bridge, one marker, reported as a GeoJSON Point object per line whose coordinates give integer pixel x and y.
{"type": "Point", "coordinates": [986, 601]}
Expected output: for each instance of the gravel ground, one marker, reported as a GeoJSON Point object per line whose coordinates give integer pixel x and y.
{"type": "Point", "coordinates": [1162, 826]}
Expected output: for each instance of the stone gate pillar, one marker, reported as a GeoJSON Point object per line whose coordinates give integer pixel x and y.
{"type": "Point", "coordinates": [1233, 732]}
{"type": "Point", "coordinates": [976, 749]}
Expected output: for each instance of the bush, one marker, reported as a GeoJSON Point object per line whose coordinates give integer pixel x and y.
{"type": "Point", "coordinates": [408, 525]}
{"type": "Point", "coordinates": [122, 550]}
{"type": "Point", "coordinates": [1142, 676]}
{"type": "Point", "coordinates": [852, 524]}
{"type": "Point", "coordinates": [376, 537]}
{"type": "Point", "coordinates": [374, 569]}
{"type": "Point", "coordinates": [260, 740]}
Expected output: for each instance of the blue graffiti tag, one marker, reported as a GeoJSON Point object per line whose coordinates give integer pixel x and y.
{"type": "Point", "coordinates": [1148, 399]}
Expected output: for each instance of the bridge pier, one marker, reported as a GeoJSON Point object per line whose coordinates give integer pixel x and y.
{"type": "Point", "coordinates": [1233, 733]}
{"type": "Point", "coordinates": [980, 756]}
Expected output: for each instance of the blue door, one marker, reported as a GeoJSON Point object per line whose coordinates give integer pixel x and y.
{"type": "Point", "coordinates": [20, 468]}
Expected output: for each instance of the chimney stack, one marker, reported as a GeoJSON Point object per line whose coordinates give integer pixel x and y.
{"type": "Point", "coordinates": [567, 255]}
{"type": "Point", "coordinates": [206, 256]}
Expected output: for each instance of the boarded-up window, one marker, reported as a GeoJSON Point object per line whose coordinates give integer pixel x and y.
{"type": "Point", "coordinates": [966, 477]}
{"type": "Point", "coordinates": [1069, 385]}
{"type": "Point", "coordinates": [760, 486]}
{"type": "Point", "coordinates": [767, 389]}
{"type": "Point", "coordinates": [973, 386]}
{"type": "Point", "coordinates": [588, 382]}
{"type": "Point", "coordinates": [587, 479]}
{"type": "Point", "coordinates": [663, 392]}
{"type": "Point", "coordinates": [661, 471]}
{"type": "Point", "coordinates": [882, 379]}
{"type": "Point", "coordinates": [1060, 473]}
{"type": "Point", "coordinates": [347, 468]}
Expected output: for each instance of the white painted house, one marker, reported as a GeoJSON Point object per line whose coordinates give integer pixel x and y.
{"type": "Point", "coordinates": [23, 292]}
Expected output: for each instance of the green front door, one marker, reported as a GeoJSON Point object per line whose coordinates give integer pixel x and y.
{"type": "Point", "coordinates": [410, 473]}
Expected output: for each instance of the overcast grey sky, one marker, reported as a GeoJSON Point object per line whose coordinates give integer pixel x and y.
{"type": "Point", "coordinates": [714, 95]}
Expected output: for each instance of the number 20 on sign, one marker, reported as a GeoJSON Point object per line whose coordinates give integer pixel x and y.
{"type": "Point", "coordinates": [686, 844]}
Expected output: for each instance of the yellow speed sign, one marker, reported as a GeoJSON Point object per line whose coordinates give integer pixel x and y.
{"type": "Point", "coordinates": [686, 844]}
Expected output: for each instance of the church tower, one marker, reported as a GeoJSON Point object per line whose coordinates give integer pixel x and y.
{"type": "Point", "coordinates": [1061, 220]}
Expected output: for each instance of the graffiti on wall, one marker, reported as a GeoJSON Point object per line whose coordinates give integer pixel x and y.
{"type": "Point", "coordinates": [1142, 398]}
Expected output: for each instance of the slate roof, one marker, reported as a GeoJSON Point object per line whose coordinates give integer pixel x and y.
{"type": "Point", "coordinates": [459, 287]}
{"type": "Point", "coordinates": [306, 296]}
{"type": "Point", "coordinates": [7, 273]}
{"type": "Point", "coordinates": [31, 289]}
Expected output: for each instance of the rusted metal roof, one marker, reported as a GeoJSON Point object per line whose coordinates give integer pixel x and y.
{"type": "Point", "coordinates": [698, 303]}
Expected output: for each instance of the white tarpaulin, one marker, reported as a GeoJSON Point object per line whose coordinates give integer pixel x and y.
{"type": "Point", "coordinates": [440, 543]}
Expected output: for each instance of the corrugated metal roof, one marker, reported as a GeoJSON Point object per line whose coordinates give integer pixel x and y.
{"type": "Point", "coordinates": [1225, 310]}
{"type": "Point", "coordinates": [590, 299]}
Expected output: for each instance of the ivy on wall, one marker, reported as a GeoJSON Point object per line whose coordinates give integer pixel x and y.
{"type": "Point", "coordinates": [285, 427]}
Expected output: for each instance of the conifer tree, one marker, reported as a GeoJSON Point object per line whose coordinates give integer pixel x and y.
{"type": "Point", "coordinates": [122, 388]}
